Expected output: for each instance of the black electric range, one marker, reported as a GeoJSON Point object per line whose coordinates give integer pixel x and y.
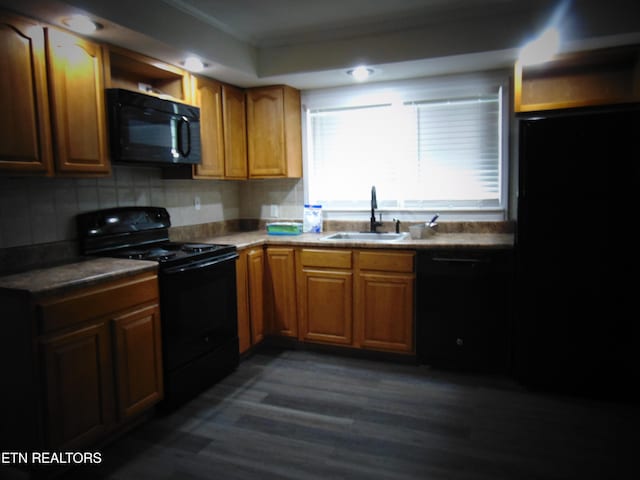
{"type": "Point", "coordinates": [197, 281]}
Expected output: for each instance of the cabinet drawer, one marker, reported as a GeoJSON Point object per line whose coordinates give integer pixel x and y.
{"type": "Point", "coordinates": [97, 301]}
{"type": "Point", "coordinates": [386, 261]}
{"type": "Point", "coordinates": [326, 258]}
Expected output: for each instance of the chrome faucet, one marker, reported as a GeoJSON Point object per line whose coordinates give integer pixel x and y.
{"type": "Point", "coordinates": [374, 204]}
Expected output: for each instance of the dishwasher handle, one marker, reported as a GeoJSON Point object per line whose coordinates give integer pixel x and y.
{"type": "Point", "coordinates": [465, 260]}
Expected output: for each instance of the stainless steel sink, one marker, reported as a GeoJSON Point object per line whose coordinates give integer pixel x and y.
{"type": "Point", "coordinates": [367, 236]}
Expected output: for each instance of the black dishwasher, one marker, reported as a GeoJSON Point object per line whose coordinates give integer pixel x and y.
{"type": "Point", "coordinates": [463, 309]}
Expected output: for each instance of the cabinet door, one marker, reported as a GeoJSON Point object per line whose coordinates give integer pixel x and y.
{"type": "Point", "coordinates": [281, 291]}
{"type": "Point", "coordinates": [385, 311]}
{"type": "Point", "coordinates": [138, 360]}
{"type": "Point", "coordinates": [326, 306]}
{"type": "Point", "coordinates": [25, 134]}
{"type": "Point", "coordinates": [235, 132]}
{"type": "Point", "coordinates": [242, 292]}
{"type": "Point", "coordinates": [274, 132]}
{"type": "Point", "coordinates": [77, 104]}
{"type": "Point", "coordinates": [255, 272]}
{"type": "Point", "coordinates": [78, 382]}
{"type": "Point", "coordinates": [209, 99]}
{"type": "Point", "coordinates": [265, 132]}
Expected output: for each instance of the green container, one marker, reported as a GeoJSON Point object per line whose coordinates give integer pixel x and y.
{"type": "Point", "coordinates": [284, 228]}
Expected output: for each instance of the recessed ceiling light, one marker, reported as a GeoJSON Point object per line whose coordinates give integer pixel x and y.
{"type": "Point", "coordinates": [194, 64]}
{"type": "Point", "coordinates": [360, 73]}
{"type": "Point", "coordinates": [81, 24]}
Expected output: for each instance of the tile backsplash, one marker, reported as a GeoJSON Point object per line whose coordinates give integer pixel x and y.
{"type": "Point", "coordinates": [36, 210]}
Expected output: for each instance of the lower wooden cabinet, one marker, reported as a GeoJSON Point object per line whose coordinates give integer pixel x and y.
{"type": "Point", "coordinates": [78, 385]}
{"type": "Point", "coordinates": [360, 298]}
{"type": "Point", "coordinates": [325, 296]}
{"type": "Point", "coordinates": [385, 300]}
{"type": "Point", "coordinates": [250, 294]}
{"type": "Point", "coordinates": [93, 362]}
{"type": "Point", "coordinates": [255, 272]}
{"type": "Point", "coordinates": [242, 294]}
{"type": "Point", "coordinates": [138, 360]}
{"type": "Point", "coordinates": [281, 292]}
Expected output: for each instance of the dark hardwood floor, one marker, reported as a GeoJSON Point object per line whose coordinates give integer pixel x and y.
{"type": "Point", "coordinates": [304, 415]}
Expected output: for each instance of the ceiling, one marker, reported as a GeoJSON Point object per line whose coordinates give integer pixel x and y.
{"type": "Point", "coordinates": [311, 43]}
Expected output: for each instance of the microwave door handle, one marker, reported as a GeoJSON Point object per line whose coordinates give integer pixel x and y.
{"type": "Point", "coordinates": [183, 152]}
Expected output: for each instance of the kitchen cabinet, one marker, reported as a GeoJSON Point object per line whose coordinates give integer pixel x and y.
{"type": "Point", "coordinates": [274, 135]}
{"type": "Point", "coordinates": [87, 362]}
{"type": "Point", "coordinates": [242, 292]}
{"type": "Point", "coordinates": [384, 300]}
{"type": "Point", "coordinates": [250, 271]}
{"type": "Point", "coordinates": [139, 73]}
{"type": "Point", "coordinates": [53, 94]}
{"type": "Point", "coordinates": [209, 100]}
{"type": "Point", "coordinates": [255, 273]}
{"type": "Point", "coordinates": [223, 128]}
{"type": "Point", "coordinates": [281, 292]}
{"type": "Point", "coordinates": [78, 386]}
{"type": "Point", "coordinates": [325, 295]}
{"type": "Point", "coordinates": [357, 298]}
{"type": "Point", "coordinates": [235, 132]}
{"type": "Point", "coordinates": [138, 360]}
{"type": "Point", "coordinates": [26, 129]}
{"type": "Point", "coordinates": [75, 74]}
{"type": "Point", "coordinates": [580, 79]}
{"type": "Point", "coordinates": [463, 308]}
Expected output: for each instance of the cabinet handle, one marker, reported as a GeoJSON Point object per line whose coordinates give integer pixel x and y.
{"type": "Point", "coordinates": [460, 260]}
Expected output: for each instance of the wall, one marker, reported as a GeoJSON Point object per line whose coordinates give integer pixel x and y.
{"type": "Point", "coordinates": [258, 196]}
{"type": "Point", "coordinates": [42, 210]}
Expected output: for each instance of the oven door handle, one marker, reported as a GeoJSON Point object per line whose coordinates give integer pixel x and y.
{"type": "Point", "coordinates": [200, 264]}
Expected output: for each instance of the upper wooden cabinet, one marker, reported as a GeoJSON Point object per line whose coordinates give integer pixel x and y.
{"type": "Point", "coordinates": [235, 132]}
{"type": "Point", "coordinates": [137, 72]}
{"type": "Point", "coordinates": [599, 77]}
{"type": "Point", "coordinates": [53, 100]}
{"type": "Point", "coordinates": [25, 131]}
{"type": "Point", "coordinates": [274, 132]}
{"type": "Point", "coordinates": [209, 99]}
{"type": "Point", "coordinates": [77, 104]}
{"type": "Point", "coordinates": [223, 130]}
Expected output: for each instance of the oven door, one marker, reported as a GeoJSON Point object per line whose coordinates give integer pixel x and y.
{"type": "Point", "coordinates": [198, 309]}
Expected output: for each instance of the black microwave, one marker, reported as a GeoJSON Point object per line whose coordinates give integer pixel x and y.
{"type": "Point", "coordinates": [150, 130]}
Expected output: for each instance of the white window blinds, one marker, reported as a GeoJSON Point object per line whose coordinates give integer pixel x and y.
{"type": "Point", "coordinates": [420, 155]}
{"type": "Point", "coordinates": [458, 162]}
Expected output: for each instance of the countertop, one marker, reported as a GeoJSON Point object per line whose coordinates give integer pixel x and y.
{"type": "Point", "coordinates": [90, 271]}
{"type": "Point", "coordinates": [60, 279]}
{"type": "Point", "coordinates": [438, 241]}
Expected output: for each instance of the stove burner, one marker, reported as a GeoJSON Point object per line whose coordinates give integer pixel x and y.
{"type": "Point", "coordinates": [159, 254]}
{"type": "Point", "coordinates": [198, 247]}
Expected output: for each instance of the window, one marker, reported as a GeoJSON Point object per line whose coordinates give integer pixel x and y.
{"type": "Point", "coordinates": [440, 154]}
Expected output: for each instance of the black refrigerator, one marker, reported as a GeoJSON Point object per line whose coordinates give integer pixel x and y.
{"type": "Point", "coordinates": [577, 252]}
